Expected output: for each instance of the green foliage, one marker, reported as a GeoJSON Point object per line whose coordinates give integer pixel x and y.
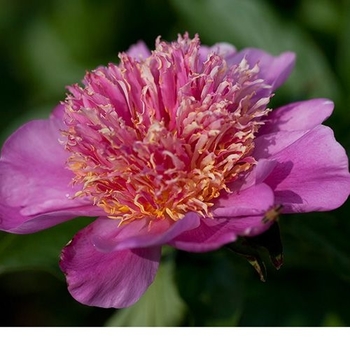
{"type": "Point", "coordinates": [39, 251]}
{"type": "Point", "coordinates": [47, 45]}
{"type": "Point", "coordinates": [212, 287]}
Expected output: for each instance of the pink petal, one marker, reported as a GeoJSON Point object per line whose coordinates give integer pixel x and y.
{"type": "Point", "coordinates": [234, 215]}
{"type": "Point", "coordinates": [139, 51]}
{"type": "Point", "coordinates": [139, 233]}
{"type": "Point", "coordinates": [116, 279]}
{"type": "Point", "coordinates": [268, 145]}
{"type": "Point", "coordinates": [287, 124]}
{"type": "Point", "coordinates": [252, 201]}
{"type": "Point", "coordinates": [298, 116]}
{"type": "Point", "coordinates": [214, 233]}
{"type": "Point", "coordinates": [311, 174]}
{"type": "Point", "coordinates": [224, 49]}
{"type": "Point", "coordinates": [273, 69]}
{"type": "Point", "coordinates": [12, 220]}
{"type": "Point", "coordinates": [35, 190]}
{"type": "Point", "coordinates": [256, 176]}
{"type": "Point", "coordinates": [57, 114]}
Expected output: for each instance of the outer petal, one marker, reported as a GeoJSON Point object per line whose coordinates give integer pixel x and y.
{"type": "Point", "coordinates": [273, 69]}
{"type": "Point", "coordinates": [311, 174]}
{"type": "Point", "coordinates": [252, 201]}
{"type": "Point", "coordinates": [139, 233]}
{"type": "Point", "coordinates": [139, 51]}
{"type": "Point", "coordinates": [235, 215]}
{"type": "Point", "coordinates": [35, 190]}
{"type": "Point", "coordinates": [116, 279]}
{"type": "Point", "coordinates": [298, 116]}
{"type": "Point", "coordinates": [214, 233]}
{"type": "Point", "coordinates": [256, 176]}
{"type": "Point", "coordinates": [224, 49]}
{"type": "Point", "coordinates": [268, 145]}
{"type": "Point", "coordinates": [57, 115]}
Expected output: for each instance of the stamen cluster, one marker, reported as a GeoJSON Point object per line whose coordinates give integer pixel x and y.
{"type": "Point", "coordinates": [163, 135]}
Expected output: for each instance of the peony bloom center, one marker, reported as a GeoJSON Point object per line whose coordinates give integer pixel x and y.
{"type": "Point", "coordinates": [163, 135]}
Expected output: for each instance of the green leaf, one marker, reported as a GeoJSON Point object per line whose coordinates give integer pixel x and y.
{"type": "Point", "coordinates": [39, 251]}
{"type": "Point", "coordinates": [251, 248]}
{"type": "Point", "coordinates": [319, 241]}
{"type": "Point", "coordinates": [251, 253]}
{"type": "Point", "coordinates": [333, 320]}
{"type": "Point", "coordinates": [271, 241]}
{"type": "Point", "coordinates": [343, 57]}
{"type": "Point", "coordinates": [325, 15]}
{"type": "Point", "coordinates": [254, 23]}
{"type": "Point", "coordinates": [212, 286]}
{"type": "Point", "coordinates": [49, 64]}
{"type": "Point", "coordinates": [159, 306]}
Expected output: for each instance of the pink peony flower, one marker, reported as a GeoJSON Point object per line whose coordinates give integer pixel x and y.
{"type": "Point", "coordinates": [176, 146]}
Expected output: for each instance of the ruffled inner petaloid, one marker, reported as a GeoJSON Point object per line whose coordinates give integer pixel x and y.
{"type": "Point", "coordinates": [162, 136]}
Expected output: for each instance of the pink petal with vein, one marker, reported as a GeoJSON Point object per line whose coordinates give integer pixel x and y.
{"type": "Point", "coordinates": [35, 190]}
{"type": "Point", "coordinates": [116, 279]}
{"type": "Point", "coordinates": [311, 175]}
{"type": "Point", "coordinates": [298, 116]}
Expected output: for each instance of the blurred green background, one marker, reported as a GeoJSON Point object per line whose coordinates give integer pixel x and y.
{"type": "Point", "coordinates": [46, 45]}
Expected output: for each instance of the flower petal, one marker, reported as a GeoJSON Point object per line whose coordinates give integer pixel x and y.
{"type": "Point", "coordinates": [311, 174]}
{"type": "Point", "coordinates": [256, 176]}
{"type": "Point", "coordinates": [298, 116]}
{"type": "Point", "coordinates": [235, 215]}
{"type": "Point", "coordinates": [224, 49]}
{"type": "Point", "coordinates": [268, 145]}
{"type": "Point", "coordinates": [35, 190]}
{"type": "Point", "coordinates": [57, 114]}
{"type": "Point", "coordinates": [287, 124]}
{"type": "Point", "coordinates": [273, 69]}
{"type": "Point", "coordinates": [214, 233]}
{"type": "Point", "coordinates": [139, 233]}
{"type": "Point", "coordinates": [115, 279]}
{"type": "Point", "coordinates": [252, 201]}
{"type": "Point", "coordinates": [139, 51]}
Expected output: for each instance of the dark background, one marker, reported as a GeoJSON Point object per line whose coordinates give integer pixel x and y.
{"type": "Point", "coordinates": [46, 45]}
